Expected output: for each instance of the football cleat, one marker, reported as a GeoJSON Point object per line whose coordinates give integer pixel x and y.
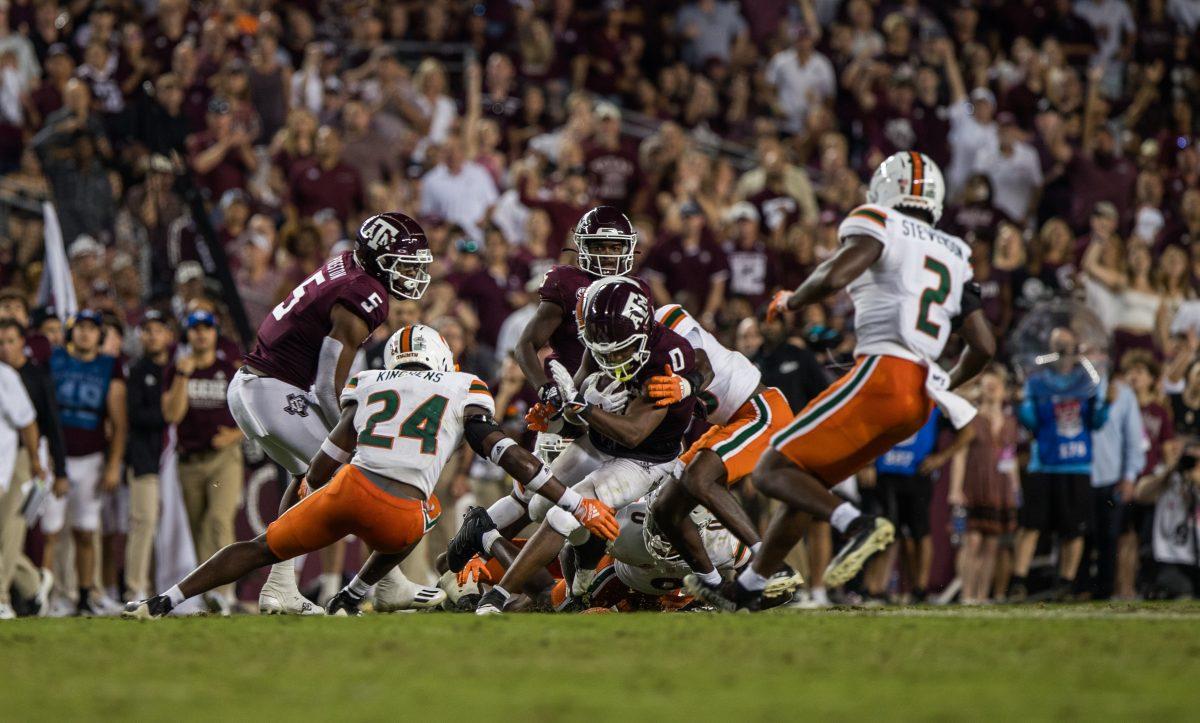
{"type": "Point", "coordinates": [728, 596]}
{"type": "Point", "coordinates": [492, 603]}
{"type": "Point", "coordinates": [272, 601]}
{"type": "Point", "coordinates": [396, 593]}
{"type": "Point", "coordinates": [150, 609]}
{"type": "Point", "coordinates": [344, 605]}
{"type": "Point", "coordinates": [468, 541]}
{"type": "Point", "coordinates": [6, 612]}
{"type": "Point", "coordinates": [781, 587]}
{"type": "Point", "coordinates": [868, 535]}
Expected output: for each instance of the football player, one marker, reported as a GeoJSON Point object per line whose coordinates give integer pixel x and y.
{"type": "Point", "coordinates": [632, 443]}
{"type": "Point", "coordinates": [910, 287]}
{"type": "Point", "coordinates": [745, 414]}
{"type": "Point", "coordinates": [375, 472]}
{"type": "Point", "coordinates": [285, 395]}
{"type": "Point", "coordinates": [605, 241]}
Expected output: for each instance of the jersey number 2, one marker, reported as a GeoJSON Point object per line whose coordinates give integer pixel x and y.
{"type": "Point", "coordinates": [933, 295]}
{"type": "Point", "coordinates": [422, 425]}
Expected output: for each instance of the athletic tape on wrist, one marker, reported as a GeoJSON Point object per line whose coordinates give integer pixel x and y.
{"type": "Point", "coordinates": [570, 500]}
{"type": "Point", "coordinates": [541, 478]}
{"type": "Point", "coordinates": [561, 521]}
{"type": "Point", "coordinates": [335, 452]}
{"type": "Point", "coordinates": [500, 448]}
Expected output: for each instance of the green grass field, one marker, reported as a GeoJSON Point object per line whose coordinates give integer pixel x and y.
{"type": "Point", "coordinates": [1080, 662]}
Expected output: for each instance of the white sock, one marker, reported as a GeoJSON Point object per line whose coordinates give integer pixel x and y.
{"type": "Point", "coordinates": [755, 548]}
{"type": "Point", "coordinates": [489, 539]}
{"type": "Point", "coordinates": [503, 593]}
{"type": "Point", "coordinates": [712, 577]}
{"type": "Point", "coordinates": [358, 588]}
{"type": "Point", "coordinates": [283, 575]}
{"type": "Point", "coordinates": [818, 594]}
{"type": "Point", "coordinates": [505, 511]}
{"type": "Point", "coordinates": [751, 580]}
{"type": "Point", "coordinates": [843, 515]}
{"type": "Point", "coordinates": [175, 595]}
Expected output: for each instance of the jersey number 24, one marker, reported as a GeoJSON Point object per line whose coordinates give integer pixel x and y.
{"type": "Point", "coordinates": [422, 425]}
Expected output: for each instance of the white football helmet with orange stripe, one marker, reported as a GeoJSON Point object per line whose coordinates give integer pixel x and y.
{"type": "Point", "coordinates": [908, 179]}
{"type": "Point", "coordinates": [419, 344]}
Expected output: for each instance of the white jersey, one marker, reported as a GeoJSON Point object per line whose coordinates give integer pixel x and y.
{"type": "Point", "coordinates": [643, 572]}
{"type": "Point", "coordinates": [410, 423]}
{"type": "Point", "coordinates": [734, 377]}
{"type": "Point", "coordinates": [905, 303]}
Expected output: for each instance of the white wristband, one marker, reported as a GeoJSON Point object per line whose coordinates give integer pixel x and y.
{"type": "Point", "coordinates": [570, 500]}
{"type": "Point", "coordinates": [335, 452]}
{"type": "Point", "coordinates": [500, 448]}
{"type": "Point", "coordinates": [539, 480]}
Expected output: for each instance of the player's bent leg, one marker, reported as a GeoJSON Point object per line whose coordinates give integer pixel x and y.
{"type": "Point", "coordinates": [228, 565]}
{"type": "Point", "coordinates": [707, 479]}
{"type": "Point", "coordinates": [539, 551]}
{"type": "Point", "coordinates": [670, 511]}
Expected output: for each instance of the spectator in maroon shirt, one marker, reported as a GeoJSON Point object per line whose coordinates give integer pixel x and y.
{"type": "Point", "coordinates": [612, 161]}
{"type": "Point", "coordinates": [753, 268]}
{"type": "Point", "coordinates": [564, 204]}
{"type": "Point", "coordinates": [327, 181]}
{"type": "Point", "coordinates": [221, 155]}
{"type": "Point", "coordinates": [689, 269]}
{"type": "Point", "coordinates": [48, 97]}
{"type": "Point", "coordinates": [483, 278]}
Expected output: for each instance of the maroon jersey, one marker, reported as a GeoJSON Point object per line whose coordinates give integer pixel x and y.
{"type": "Point", "coordinates": [37, 348]}
{"type": "Point", "coordinates": [290, 338]}
{"type": "Point", "coordinates": [666, 441]}
{"type": "Point", "coordinates": [564, 286]}
{"type": "Point", "coordinates": [207, 409]}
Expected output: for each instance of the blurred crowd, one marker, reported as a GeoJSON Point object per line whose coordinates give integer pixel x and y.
{"type": "Point", "coordinates": [203, 156]}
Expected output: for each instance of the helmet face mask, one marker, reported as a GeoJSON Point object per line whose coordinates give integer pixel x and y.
{"type": "Point", "coordinates": [605, 241]}
{"type": "Point", "coordinates": [407, 274]}
{"type": "Point", "coordinates": [615, 319]}
{"type": "Point", "coordinates": [620, 359]}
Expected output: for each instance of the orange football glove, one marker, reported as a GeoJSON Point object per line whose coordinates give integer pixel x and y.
{"type": "Point", "coordinates": [474, 571]}
{"type": "Point", "coordinates": [598, 518]}
{"type": "Point", "coordinates": [668, 388]}
{"type": "Point", "coordinates": [538, 416]}
{"type": "Point", "coordinates": [778, 305]}
{"type": "Point", "coordinates": [303, 490]}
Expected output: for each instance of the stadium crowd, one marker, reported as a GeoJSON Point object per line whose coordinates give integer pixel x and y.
{"type": "Point", "coordinates": [204, 158]}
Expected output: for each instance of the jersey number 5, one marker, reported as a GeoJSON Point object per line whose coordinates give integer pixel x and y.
{"type": "Point", "coordinates": [286, 305]}
{"type": "Point", "coordinates": [933, 295]}
{"type": "Point", "coordinates": [422, 425]}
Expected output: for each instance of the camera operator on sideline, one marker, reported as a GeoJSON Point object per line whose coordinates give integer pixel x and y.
{"type": "Point", "coordinates": [1174, 490]}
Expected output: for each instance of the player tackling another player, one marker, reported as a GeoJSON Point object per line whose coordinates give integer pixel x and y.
{"type": "Point", "coordinates": [375, 473]}
{"type": "Point", "coordinates": [910, 287]}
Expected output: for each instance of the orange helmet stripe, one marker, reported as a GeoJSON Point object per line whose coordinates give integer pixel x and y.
{"type": "Point", "coordinates": [918, 179]}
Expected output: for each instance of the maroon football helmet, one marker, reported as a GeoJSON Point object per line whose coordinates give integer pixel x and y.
{"type": "Point", "coordinates": [392, 247]}
{"type": "Point", "coordinates": [614, 324]}
{"type": "Point", "coordinates": [605, 239]}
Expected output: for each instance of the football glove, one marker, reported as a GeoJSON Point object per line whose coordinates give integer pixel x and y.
{"type": "Point", "coordinates": [668, 388]}
{"type": "Point", "coordinates": [561, 378]}
{"type": "Point", "coordinates": [612, 398]}
{"type": "Point", "coordinates": [778, 305]}
{"type": "Point", "coordinates": [539, 416]}
{"type": "Point", "coordinates": [598, 518]}
{"type": "Point", "coordinates": [474, 571]}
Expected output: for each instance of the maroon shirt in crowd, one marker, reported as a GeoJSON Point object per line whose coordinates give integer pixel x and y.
{"type": "Point", "coordinates": [37, 348]}
{"type": "Point", "coordinates": [688, 271]}
{"type": "Point", "coordinates": [230, 173]}
{"type": "Point", "coordinates": [314, 188]}
{"type": "Point", "coordinates": [290, 338]}
{"type": "Point", "coordinates": [489, 297]}
{"type": "Point", "coordinates": [207, 409]}
{"type": "Point", "coordinates": [753, 271]}
{"type": "Point", "coordinates": [615, 173]}
{"type": "Point", "coordinates": [1159, 429]}
{"type": "Point", "coordinates": [776, 209]}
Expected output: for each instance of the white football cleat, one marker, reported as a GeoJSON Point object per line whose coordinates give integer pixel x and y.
{"type": "Point", "coordinates": [105, 606]}
{"type": "Point", "coordinates": [280, 596]}
{"type": "Point", "coordinates": [6, 612]}
{"type": "Point", "coordinates": [395, 593]}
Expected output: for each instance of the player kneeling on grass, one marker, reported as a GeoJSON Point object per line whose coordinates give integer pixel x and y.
{"type": "Point", "coordinates": [375, 473]}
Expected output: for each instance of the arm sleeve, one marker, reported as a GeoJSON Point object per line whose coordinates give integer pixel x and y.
{"type": "Point", "coordinates": [865, 220]}
{"type": "Point", "coordinates": [323, 390]}
{"type": "Point", "coordinates": [972, 301]}
{"type": "Point", "coordinates": [479, 395]}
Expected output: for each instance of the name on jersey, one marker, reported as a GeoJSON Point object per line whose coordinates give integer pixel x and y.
{"type": "Point", "coordinates": [336, 268]}
{"type": "Point", "coordinates": [397, 373]}
{"type": "Point", "coordinates": [924, 233]}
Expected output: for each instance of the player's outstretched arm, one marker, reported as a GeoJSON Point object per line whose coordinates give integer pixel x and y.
{"type": "Point", "coordinates": [981, 347]}
{"type": "Point", "coordinates": [490, 442]}
{"type": "Point", "coordinates": [336, 450]}
{"type": "Point", "coordinates": [855, 256]}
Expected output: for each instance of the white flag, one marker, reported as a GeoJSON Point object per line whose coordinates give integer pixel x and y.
{"type": "Point", "coordinates": [174, 553]}
{"type": "Point", "coordinates": [57, 286]}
